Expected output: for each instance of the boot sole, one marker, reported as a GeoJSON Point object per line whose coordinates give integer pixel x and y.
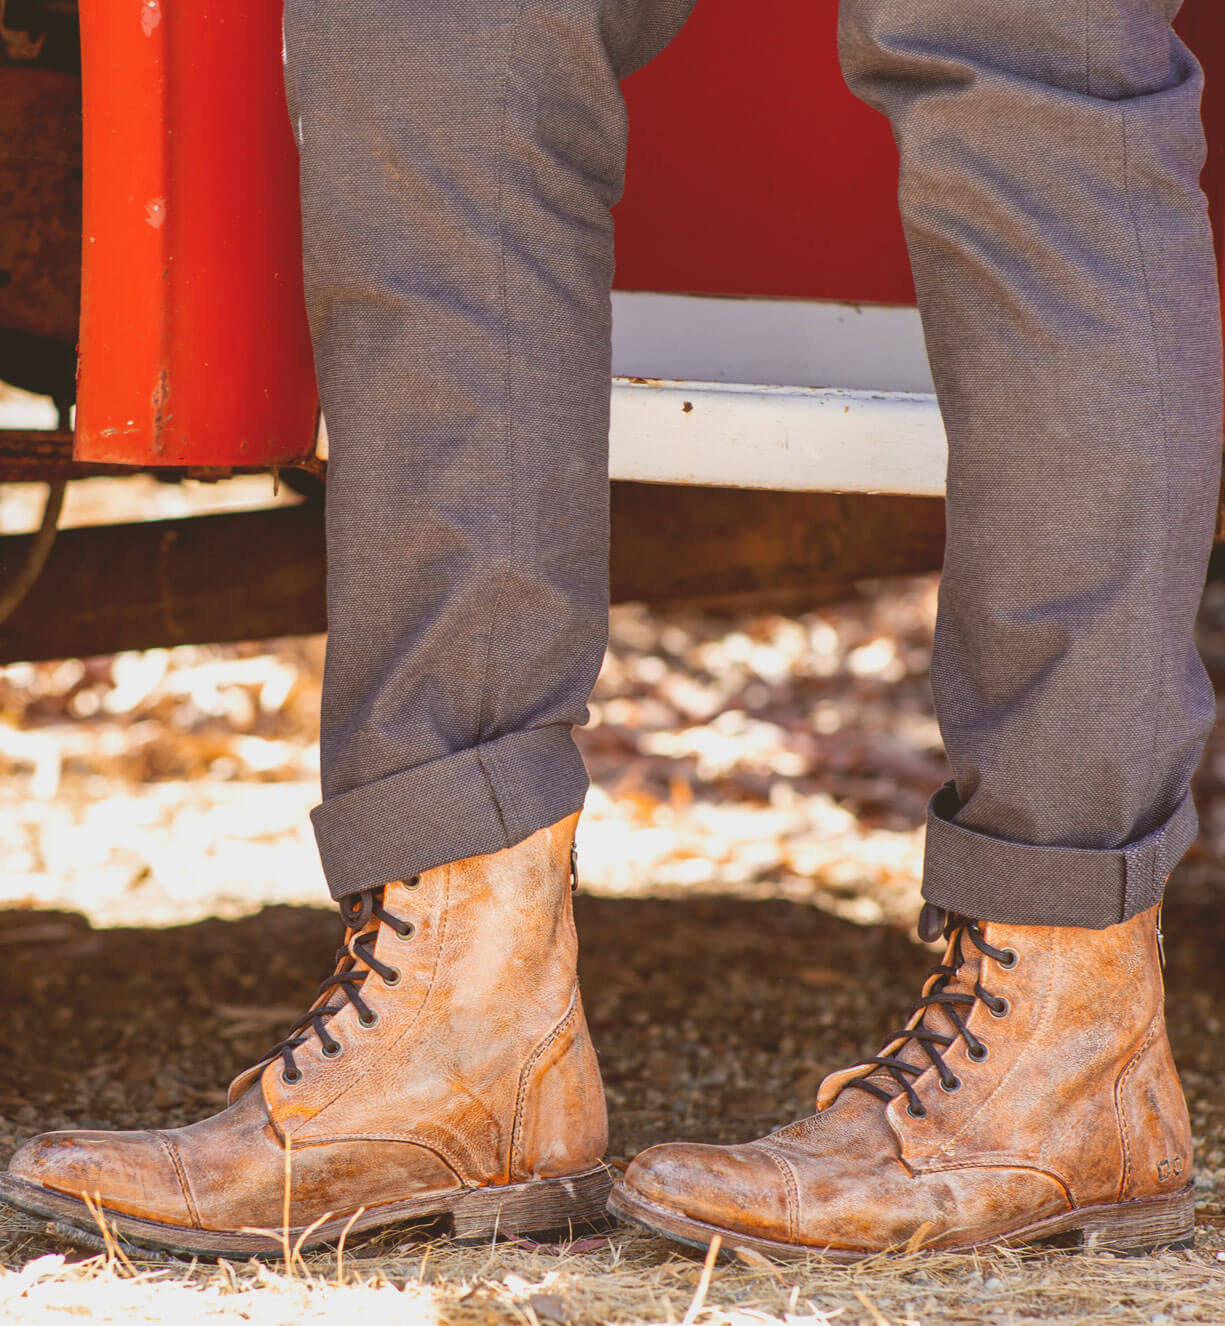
{"type": "Point", "coordinates": [1139, 1226]}
{"type": "Point", "coordinates": [469, 1214]}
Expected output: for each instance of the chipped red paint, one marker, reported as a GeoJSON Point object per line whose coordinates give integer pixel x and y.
{"type": "Point", "coordinates": [194, 345]}
{"type": "Point", "coordinates": [752, 171]}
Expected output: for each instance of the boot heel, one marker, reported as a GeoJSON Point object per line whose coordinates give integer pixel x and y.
{"type": "Point", "coordinates": [1142, 1225]}
{"type": "Point", "coordinates": [532, 1207]}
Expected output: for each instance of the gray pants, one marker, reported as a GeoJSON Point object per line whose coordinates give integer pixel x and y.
{"type": "Point", "coordinates": [458, 165]}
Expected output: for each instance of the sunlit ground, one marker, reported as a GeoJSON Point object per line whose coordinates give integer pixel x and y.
{"type": "Point", "coordinates": [766, 757]}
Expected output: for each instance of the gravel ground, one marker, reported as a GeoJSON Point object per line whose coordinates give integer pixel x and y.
{"type": "Point", "coordinates": [750, 860]}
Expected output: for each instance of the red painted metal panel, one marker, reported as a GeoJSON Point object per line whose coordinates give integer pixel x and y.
{"type": "Point", "coordinates": [194, 345]}
{"type": "Point", "coordinates": [753, 170]}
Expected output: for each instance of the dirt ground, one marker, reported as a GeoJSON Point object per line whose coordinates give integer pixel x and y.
{"type": "Point", "coordinates": [750, 861]}
{"type": "Point", "coordinates": [715, 1018]}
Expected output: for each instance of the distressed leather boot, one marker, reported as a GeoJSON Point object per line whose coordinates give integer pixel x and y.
{"type": "Point", "coordinates": [1031, 1094]}
{"type": "Point", "coordinates": [444, 1074]}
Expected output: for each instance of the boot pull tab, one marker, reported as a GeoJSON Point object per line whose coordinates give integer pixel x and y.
{"type": "Point", "coordinates": [574, 867]}
{"type": "Point", "coordinates": [932, 920]}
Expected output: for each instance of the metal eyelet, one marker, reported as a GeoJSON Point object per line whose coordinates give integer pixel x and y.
{"type": "Point", "coordinates": [947, 1089]}
{"type": "Point", "coordinates": [333, 1054]}
{"type": "Point", "coordinates": [978, 1052]}
{"type": "Point", "coordinates": [1001, 1009]}
{"type": "Point", "coordinates": [368, 1022]}
{"type": "Point", "coordinates": [414, 883]}
{"type": "Point", "coordinates": [1013, 958]}
{"type": "Point", "coordinates": [409, 933]}
{"type": "Point", "coordinates": [291, 1078]}
{"type": "Point", "coordinates": [392, 980]}
{"type": "Point", "coordinates": [920, 1113]}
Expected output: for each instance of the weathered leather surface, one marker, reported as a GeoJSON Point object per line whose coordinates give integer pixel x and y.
{"type": "Point", "coordinates": [480, 1070]}
{"type": "Point", "coordinates": [1077, 1104]}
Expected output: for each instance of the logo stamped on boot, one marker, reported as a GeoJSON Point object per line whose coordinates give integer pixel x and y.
{"type": "Point", "coordinates": [1169, 1168]}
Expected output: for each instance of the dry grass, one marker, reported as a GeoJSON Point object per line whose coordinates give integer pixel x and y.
{"type": "Point", "coordinates": [621, 1278]}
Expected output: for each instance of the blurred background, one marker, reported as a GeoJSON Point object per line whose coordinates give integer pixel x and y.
{"type": "Point", "coordinates": [748, 752]}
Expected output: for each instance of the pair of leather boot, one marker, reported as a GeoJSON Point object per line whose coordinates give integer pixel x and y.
{"type": "Point", "coordinates": [445, 1074]}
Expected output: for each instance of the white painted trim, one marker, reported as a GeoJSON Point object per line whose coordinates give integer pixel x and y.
{"type": "Point", "coordinates": [735, 435]}
{"type": "Point", "coordinates": [847, 406]}
{"type": "Point", "coordinates": [784, 342]}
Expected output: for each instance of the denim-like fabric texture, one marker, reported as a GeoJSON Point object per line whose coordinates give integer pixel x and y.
{"type": "Point", "coordinates": [458, 164]}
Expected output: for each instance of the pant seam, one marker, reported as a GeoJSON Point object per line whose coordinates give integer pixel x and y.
{"type": "Point", "coordinates": [1088, 76]}
{"type": "Point", "coordinates": [508, 431]}
{"type": "Point", "coordinates": [1160, 670]}
{"type": "Point", "coordinates": [293, 97]}
{"type": "Point", "coordinates": [498, 792]}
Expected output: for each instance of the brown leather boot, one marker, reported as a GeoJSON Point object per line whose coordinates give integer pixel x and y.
{"type": "Point", "coordinates": [445, 1070]}
{"type": "Point", "coordinates": [1031, 1094]}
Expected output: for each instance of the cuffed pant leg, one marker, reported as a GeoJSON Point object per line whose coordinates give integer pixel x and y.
{"type": "Point", "coordinates": [458, 165]}
{"type": "Point", "coordinates": [1050, 158]}
{"type": "Point", "coordinates": [994, 879]}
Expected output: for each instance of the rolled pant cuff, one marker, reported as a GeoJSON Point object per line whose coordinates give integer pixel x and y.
{"type": "Point", "coordinates": [994, 879]}
{"type": "Point", "coordinates": [467, 804]}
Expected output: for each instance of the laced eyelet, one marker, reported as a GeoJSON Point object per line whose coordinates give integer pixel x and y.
{"type": "Point", "coordinates": [409, 933]}
{"type": "Point", "coordinates": [414, 883]}
{"type": "Point", "coordinates": [291, 1078]}
{"type": "Point", "coordinates": [393, 979]}
{"type": "Point", "coordinates": [333, 1053]}
{"type": "Point", "coordinates": [944, 989]}
{"type": "Point", "coordinates": [368, 1022]}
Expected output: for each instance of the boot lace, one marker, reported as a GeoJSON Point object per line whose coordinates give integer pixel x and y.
{"type": "Point", "coordinates": [354, 962]}
{"type": "Point", "coordinates": [951, 1003]}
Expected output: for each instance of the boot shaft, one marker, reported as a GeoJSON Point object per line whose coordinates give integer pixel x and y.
{"type": "Point", "coordinates": [481, 1010]}
{"type": "Point", "coordinates": [1075, 1077]}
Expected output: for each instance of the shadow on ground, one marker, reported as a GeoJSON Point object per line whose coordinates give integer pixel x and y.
{"type": "Point", "coordinates": [714, 1017]}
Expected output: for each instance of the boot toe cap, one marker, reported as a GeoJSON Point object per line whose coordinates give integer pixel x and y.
{"type": "Point", "coordinates": [134, 1173]}
{"type": "Point", "coordinates": [738, 1189]}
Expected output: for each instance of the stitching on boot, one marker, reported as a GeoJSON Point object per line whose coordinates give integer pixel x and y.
{"type": "Point", "coordinates": [1002, 1162]}
{"type": "Point", "coordinates": [525, 1073]}
{"type": "Point", "coordinates": [791, 1188]}
{"type": "Point", "coordinates": [947, 1145]}
{"type": "Point", "coordinates": [1125, 1179]}
{"type": "Point", "coordinates": [173, 1152]}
